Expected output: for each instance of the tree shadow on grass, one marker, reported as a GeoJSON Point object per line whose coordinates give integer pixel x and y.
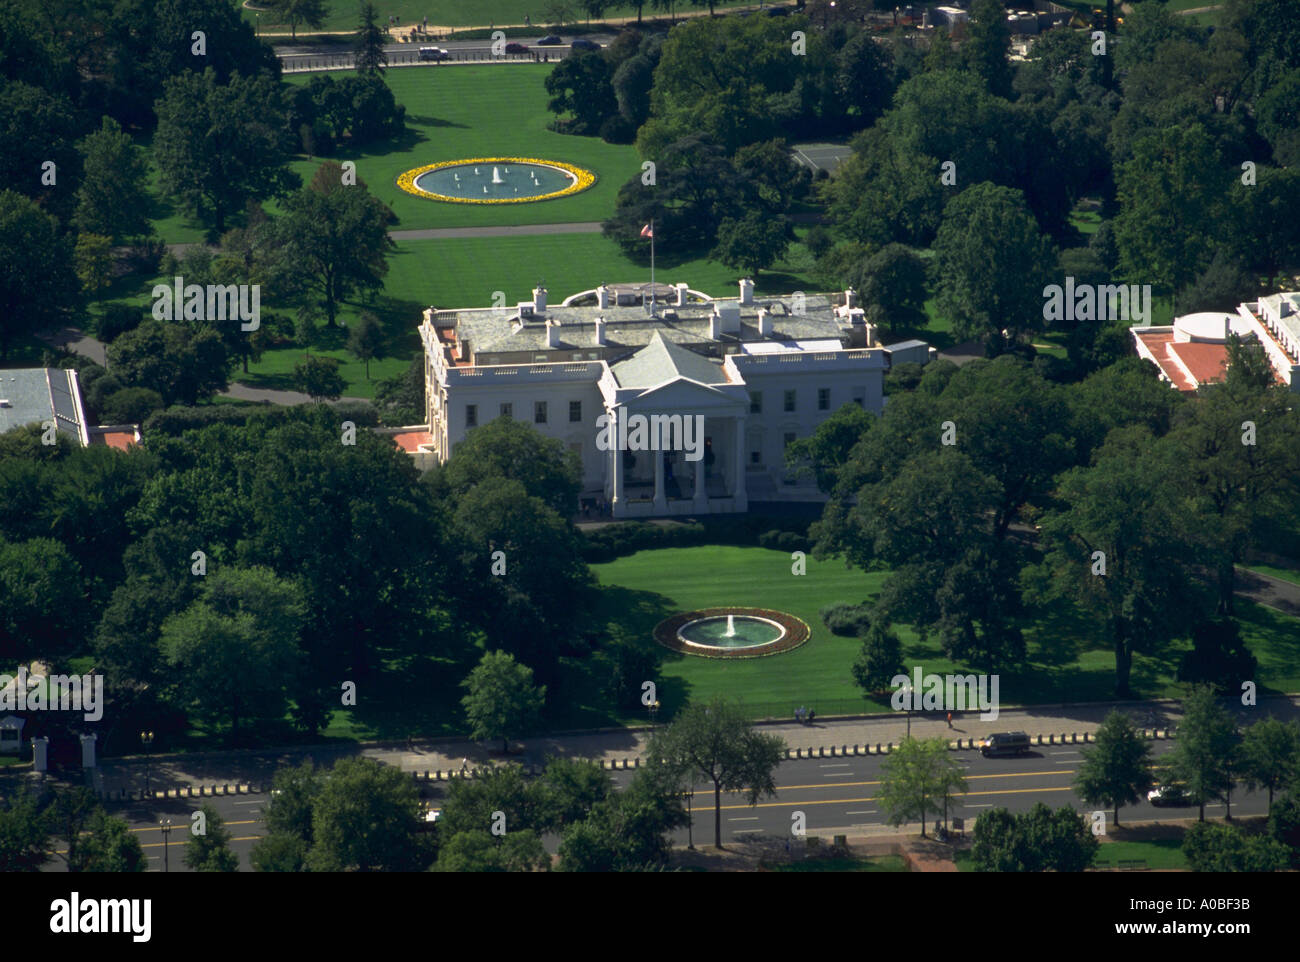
{"type": "Point", "coordinates": [421, 120]}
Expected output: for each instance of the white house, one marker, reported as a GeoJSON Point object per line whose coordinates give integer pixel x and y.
{"type": "Point", "coordinates": [754, 373]}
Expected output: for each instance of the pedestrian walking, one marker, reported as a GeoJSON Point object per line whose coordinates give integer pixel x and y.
{"type": "Point", "coordinates": [949, 719]}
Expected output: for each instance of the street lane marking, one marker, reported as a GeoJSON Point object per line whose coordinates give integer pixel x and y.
{"type": "Point", "coordinates": [835, 765]}
{"type": "Point", "coordinates": [787, 788]}
{"type": "Point", "coordinates": [850, 801]}
{"type": "Point", "coordinates": [872, 812]}
{"type": "Point", "coordinates": [744, 818]}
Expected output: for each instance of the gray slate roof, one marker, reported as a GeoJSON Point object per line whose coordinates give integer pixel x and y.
{"type": "Point", "coordinates": [662, 360]}
{"type": "Point", "coordinates": [38, 394]}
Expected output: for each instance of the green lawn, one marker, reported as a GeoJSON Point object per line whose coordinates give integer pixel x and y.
{"type": "Point", "coordinates": [1163, 853]}
{"type": "Point", "coordinates": [1067, 661]}
{"type": "Point", "coordinates": [880, 863]}
{"type": "Point", "coordinates": [488, 111]}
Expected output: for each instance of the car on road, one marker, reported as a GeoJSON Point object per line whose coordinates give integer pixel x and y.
{"type": "Point", "coordinates": [516, 48]}
{"type": "Point", "coordinates": [550, 40]}
{"type": "Point", "coordinates": [1005, 743]}
{"type": "Point", "coordinates": [582, 43]}
{"type": "Point", "coordinates": [1171, 795]}
{"type": "Point", "coordinates": [434, 53]}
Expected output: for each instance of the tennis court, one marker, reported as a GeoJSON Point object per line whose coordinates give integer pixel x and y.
{"type": "Point", "coordinates": [821, 156]}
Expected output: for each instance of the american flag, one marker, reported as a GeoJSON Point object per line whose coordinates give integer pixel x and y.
{"type": "Point", "coordinates": [647, 231]}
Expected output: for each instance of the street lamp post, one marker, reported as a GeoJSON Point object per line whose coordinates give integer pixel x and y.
{"type": "Point", "coordinates": [907, 691]}
{"type": "Point", "coordinates": [654, 712]}
{"type": "Point", "coordinates": [166, 828]}
{"type": "Point", "coordinates": [690, 820]}
{"type": "Point", "coordinates": [146, 739]}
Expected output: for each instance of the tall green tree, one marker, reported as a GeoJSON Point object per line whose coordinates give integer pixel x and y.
{"type": "Point", "coordinates": [1270, 755]}
{"type": "Point", "coordinates": [716, 742]}
{"type": "Point", "coordinates": [113, 196]}
{"type": "Point", "coordinates": [210, 851]}
{"type": "Point", "coordinates": [365, 820]}
{"type": "Point", "coordinates": [218, 146]}
{"type": "Point", "coordinates": [1206, 751]}
{"type": "Point", "coordinates": [310, 13]}
{"type": "Point", "coordinates": [369, 41]}
{"type": "Point", "coordinates": [985, 48]}
{"type": "Point", "coordinates": [24, 834]}
{"type": "Point", "coordinates": [1116, 769]}
{"type": "Point", "coordinates": [916, 780]}
{"type": "Point", "coordinates": [319, 378]}
{"type": "Point", "coordinates": [38, 283]}
{"type": "Point", "coordinates": [501, 700]}
{"type": "Point", "coordinates": [991, 264]}
{"type": "Point", "coordinates": [108, 846]}
{"type": "Point", "coordinates": [752, 243]}
{"type": "Point", "coordinates": [366, 340]}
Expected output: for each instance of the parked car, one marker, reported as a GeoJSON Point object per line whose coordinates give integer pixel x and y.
{"type": "Point", "coordinates": [1005, 743]}
{"type": "Point", "coordinates": [434, 53]}
{"type": "Point", "coordinates": [516, 48]}
{"type": "Point", "coordinates": [1172, 795]}
{"type": "Point", "coordinates": [550, 40]}
{"type": "Point", "coordinates": [582, 43]}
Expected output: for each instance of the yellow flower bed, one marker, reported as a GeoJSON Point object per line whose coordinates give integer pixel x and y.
{"type": "Point", "coordinates": [584, 179]}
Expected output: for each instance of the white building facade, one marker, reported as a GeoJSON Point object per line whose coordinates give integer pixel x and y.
{"type": "Point", "coordinates": [754, 373]}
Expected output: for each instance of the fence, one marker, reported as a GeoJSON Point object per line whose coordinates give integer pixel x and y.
{"type": "Point", "coordinates": [411, 58]}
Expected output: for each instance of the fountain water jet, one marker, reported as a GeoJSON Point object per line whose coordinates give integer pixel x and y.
{"type": "Point", "coordinates": [731, 627]}
{"type": "Point", "coordinates": [496, 176]}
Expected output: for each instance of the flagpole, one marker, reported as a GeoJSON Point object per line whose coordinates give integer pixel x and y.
{"type": "Point", "coordinates": [652, 267]}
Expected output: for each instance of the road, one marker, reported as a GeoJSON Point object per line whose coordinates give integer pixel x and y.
{"type": "Point", "coordinates": [836, 796]}
{"type": "Point", "coordinates": [297, 59]}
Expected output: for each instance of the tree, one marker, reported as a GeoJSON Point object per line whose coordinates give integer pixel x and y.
{"type": "Point", "coordinates": [891, 285]}
{"type": "Point", "coordinates": [626, 832]}
{"type": "Point", "coordinates": [1118, 516]}
{"type": "Point", "coordinates": [41, 600]}
{"type": "Point", "coordinates": [717, 742]}
{"type": "Point", "coordinates": [1270, 755]}
{"type": "Point", "coordinates": [364, 820]}
{"type": "Point", "coordinates": [369, 42]}
{"type": "Point", "coordinates": [366, 340]}
{"type": "Point", "coordinates": [1116, 770]}
{"type": "Point", "coordinates": [506, 449]}
{"type": "Point", "coordinates": [1038, 841]}
{"type": "Point", "coordinates": [1205, 753]}
{"type": "Point", "coordinates": [863, 77]}
{"type": "Point", "coordinates": [293, 793]}
{"type": "Point", "coordinates": [24, 834]}
{"type": "Point", "coordinates": [985, 47]}
{"type": "Point", "coordinates": [827, 449]}
{"type": "Point", "coordinates": [1218, 657]}
{"type": "Point", "coordinates": [183, 364]}
{"type": "Point", "coordinates": [1284, 825]}
{"type": "Point", "coordinates": [279, 852]}
{"type": "Point", "coordinates": [245, 624]}
{"type": "Point", "coordinates": [1216, 847]}
{"type": "Point", "coordinates": [915, 778]}
{"type": "Point", "coordinates": [332, 241]}
{"type": "Point", "coordinates": [94, 257]}
{"type": "Point", "coordinates": [569, 789]}
{"type": "Point", "coordinates": [319, 378]}
{"type": "Point", "coordinates": [502, 700]}
{"type": "Point", "coordinates": [472, 804]}
{"type": "Point", "coordinates": [38, 285]}
{"type": "Point", "coordinates": [991, 264]}
{"type": "Point", "coordinates": [218, 146]}
{"type": "Point", "coordinates": [293, 12]}
{"type": "Point", "coordinates": [38, 128]}
{"type": "Point", "coordinates": [113, 196]}
{"type": "Point", "coordinates": [752, 243]}
{"type": "Point", "coordinates": [479, 851]}
{"type": "Point", "coordinates": [580, 85]}
{"type": "Point", "coordinates": [210, 851]}
{"type": "Point", "coordinates": [880, 659]}
{"type": "Point", "coordinates": [109, 846]}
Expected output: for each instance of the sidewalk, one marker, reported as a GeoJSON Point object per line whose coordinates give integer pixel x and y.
{"type": "Point", "coordinates": [258, 767]}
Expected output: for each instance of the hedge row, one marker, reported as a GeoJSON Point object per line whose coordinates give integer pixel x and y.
{"type": "Point", "coordinates": [619, 540]}
{"type": "Point", "coordinates": [175, 421]}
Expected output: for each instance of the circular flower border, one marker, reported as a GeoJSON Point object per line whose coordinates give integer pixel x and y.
{"type": "Point", "coordinates": [584, 179]}
{"type": "Point", "coordinates": [796, 633]}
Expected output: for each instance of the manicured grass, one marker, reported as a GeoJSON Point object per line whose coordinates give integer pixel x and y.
{"type": "Point", "coordinates": [880, 863]}
{"type": "Point", "coordinates": [1165, 853]}
{"type": "Point", "coordinates": [489, 111]}
{"type": "Point", "coordinates": [1285, 574]}
{"type": "Point", "coordinates": [1067, 660]}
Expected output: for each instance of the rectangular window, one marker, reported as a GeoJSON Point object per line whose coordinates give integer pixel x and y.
{"type": "Point", "coordinates": [575, 411]}
{"type": "Point", "coordinates": [755, 457]}
{"type": "Point", "coordinates": [789, 440]}
{"type": "Point", "coordinates": [539, 412]}
{"type": "Point", "coordinates": [471, 415]}
{"type": "Point", "coordinates": [507, 410]}
{"type": "Point", "coordinates": [756, 403]}
{"type": "Point", "coordinates": [789, 400]}
{"type": "Point", "coordinates": [823, 399]}
{"type": "Point", "coordinates": [860, 400]}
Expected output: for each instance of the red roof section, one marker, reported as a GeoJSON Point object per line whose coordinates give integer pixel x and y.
{"type": "Point", "coordinates": [410, 441]}
{"type": "Point", "coordinates": [1207, 362]}
{"type": "Point", "coordinates": [119, 440]}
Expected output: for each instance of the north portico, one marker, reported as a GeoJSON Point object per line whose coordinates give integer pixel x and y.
{"type": "Point", "coordinates": [702, 395]}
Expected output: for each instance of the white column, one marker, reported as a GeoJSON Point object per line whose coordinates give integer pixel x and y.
{"type": "Point", "coordinates": [701, 491]}
{"type": "Point", "coordinates": [742, 499]}
{"type": "Point", "coordinates": [661, 502]}
{"type": "Point", "coordinates": [617, 505]}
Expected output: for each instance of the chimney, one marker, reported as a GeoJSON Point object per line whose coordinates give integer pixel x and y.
{"type": "Point", "coordinates": [602, 296]}
{"type": "Point", "coordinates": [850, 298]}
{"type": "Point", "coordinates": [600, 331]}
{"type": "Point", "coordinates": [746, 291]}
{"type": "Point", "coordinates": [728, 315]}
{"type": "Point", "coordinates": [871, 335]}
{"type": "Point", "coordinates": [552, 333]}
{"type": "Point", "coordinates": [428, 315]}
{"type": "Point", "coordinates": [715, 326]}
{"type": "Point", "coordinates": [539, 300]}
{"type": "Point", "coordinates": [681, 294]}
{"type": "Point", "coordinates": [764, 322]}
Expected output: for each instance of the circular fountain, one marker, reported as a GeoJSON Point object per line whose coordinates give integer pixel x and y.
{"type": "Point", "coordinates": [503, 180]}
{"type": "Point", "coordinates": [732, 632]}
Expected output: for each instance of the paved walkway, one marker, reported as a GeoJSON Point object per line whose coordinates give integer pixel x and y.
{"type": "Point", "coordinates": [444, 233]}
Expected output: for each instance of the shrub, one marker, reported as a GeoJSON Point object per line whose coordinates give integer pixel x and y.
{"type": "Point", "coordinates": [130, 405]}
{"type": "Point", "coordinates": [118, 318]}
{"type": "Point", "coordinates": [847, 620]}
